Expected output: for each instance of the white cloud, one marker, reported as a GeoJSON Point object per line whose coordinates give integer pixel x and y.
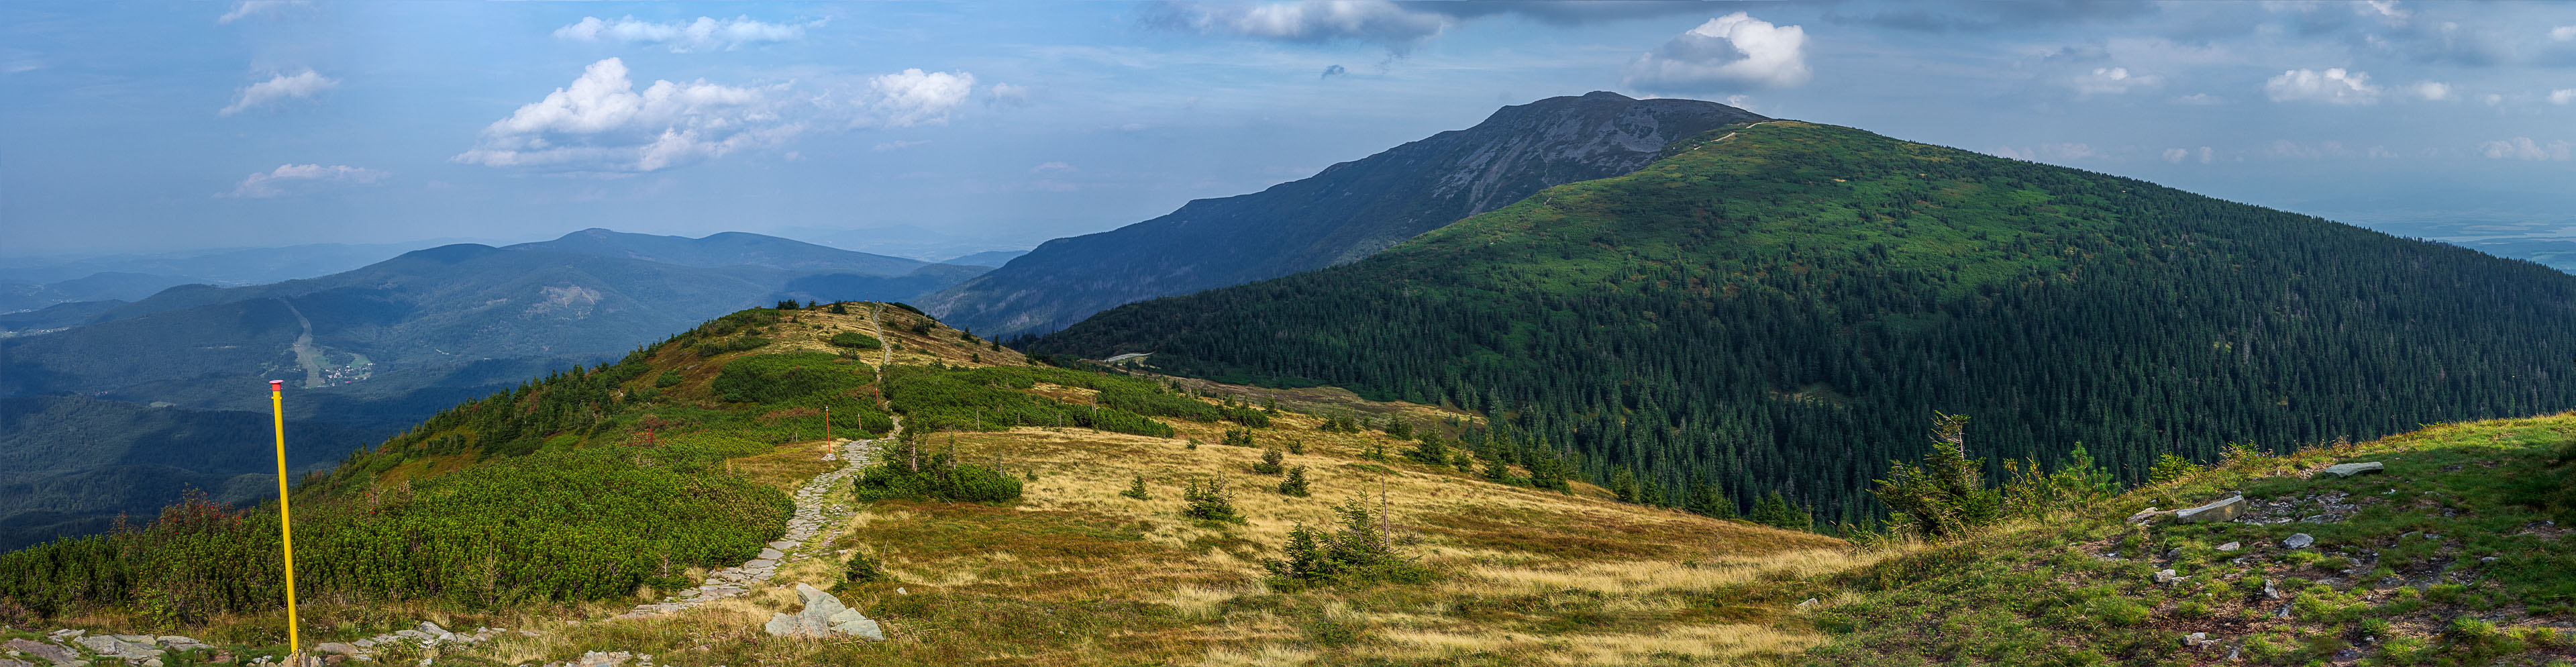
{"type": "Point", "coordinates": [2333, 86]}
{"type": "Point", "coordinates": [261, 185]}
{"type": "Point", "coordinates": [1377, 21]}
{"type": "Point", "coordinates": [897, 145]}
{"type": "Point", "coordinates": [2176, 155]}
{"type": "Point", "coordinates": [1744, 102]}
{"type": "Point", "coordinates": [300, 85]}
{"type": "Point", "coordinates": [912, 97]}
{"type": "Point", "coordinates": [2113, 81]}
{"type": "Point", "coordinates": [1051, 166]}
{"type": "Point", "coordinates": [2200, 99]}
{"type": "Point", "coordinates": [703, 34]}
{"type": "Point", "coordinates": [2494, 99]}
{"type": "Point", "coordinates": [249, 8]}
{"type": "Point", "coordinates": [2386, 10]}
{"type": "Point", "coordinates": [2432, 91]}
{"type": "Point", "coordinates": [2564, 33]}
{"type": "Point", "coordinates": [1009, 95]}
{"type": "Point", "coordinates": [601, 123]}
{"type": "Point", "coordinates": [2563, 96]}
{"type": "Point", "coordinates": [2523, 148]}
{"type": "Point", "coordinates": [1731, 50]}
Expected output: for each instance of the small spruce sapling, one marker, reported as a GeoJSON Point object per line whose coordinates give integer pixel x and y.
{"type": "Point", "coordinates": [865, 567]}
{"type": "Point", "coordinates": [1269, 464]}
{"type": "Point", "coordinates": [1208, 502]}
{"type": "Point", "coordinates": [1296, 446]}
{"type": "Point", "coordinates": [1295, 484]}
{"type": "Point", "coordinates": [1136, 489]}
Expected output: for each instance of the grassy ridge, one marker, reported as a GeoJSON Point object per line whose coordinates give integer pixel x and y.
{"type": "Point", "coordinates": [2449, 558]}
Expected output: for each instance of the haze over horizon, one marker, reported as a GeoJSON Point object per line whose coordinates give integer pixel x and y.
{"type": "Point", "coordinates": [140, 127]}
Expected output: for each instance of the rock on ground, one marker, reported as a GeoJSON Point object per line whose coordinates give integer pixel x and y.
{"type": "Point", "coordinates": [824, 616]}
{"type": "Point", "coordinates": [51, 653]}
{"type": "Point", "coordinates": [2223, 510]}
{"type": "Point", "coordinates": [2350, 469]}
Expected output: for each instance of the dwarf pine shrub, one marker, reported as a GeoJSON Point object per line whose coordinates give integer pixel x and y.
{"type": "Point", "coordinates": [1208, 501]}
{"type": "Point", "coordinates": [1269, 464]}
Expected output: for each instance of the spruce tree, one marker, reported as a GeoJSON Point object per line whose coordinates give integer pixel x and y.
{"type": "Point", "coordinates": [1295, 484]}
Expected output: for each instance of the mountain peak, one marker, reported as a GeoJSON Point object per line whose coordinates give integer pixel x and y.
{"type": "Point", "coordinates": [1349, 211]}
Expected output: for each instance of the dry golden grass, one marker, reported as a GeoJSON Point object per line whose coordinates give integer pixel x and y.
{"type": "Point", "coordinates": [1077, 574]}
{"type": "Point", "coordinates": [786, 467]}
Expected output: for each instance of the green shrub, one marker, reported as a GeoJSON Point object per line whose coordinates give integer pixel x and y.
{"type": "Point", "coordinates": [1136, 489]}
{"type": "Point", "coordinates": [1946, 496]}
{"type": "Point", "coordinates": [936, 480]}
{"type": "Point", "coordinates": [853, 339]}
{"type": "Point", "coordinates": [1361, 552]}
{"type": "Point", "coordinates": [557, 526]}
{"type": "Point", "coordinates": [1237, 438]}
{"type": "Point", "coordinates": [1269, 464]}
{"type": "Point", "coordinates": [667, 378]}
{"type": "Point", "coordinates": [1295, 484]}
{"type": "Point", "coordinates": [780, 378]}
{"type": "Point", "coordinates": [2170, 467]}
{"type": "Point", "coordinates": [1208, 501]}
{"type": "Point", "coordinates": [865, 567]}
{"type": "Point", "coordinates": [733, 344]}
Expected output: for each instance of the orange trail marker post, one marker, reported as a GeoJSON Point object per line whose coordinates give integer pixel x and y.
{"type": "Point", "coordinates": [285, 519]}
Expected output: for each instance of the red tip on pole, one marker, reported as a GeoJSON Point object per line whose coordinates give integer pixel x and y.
{"type": "Point", "coordinates": [277, 385]}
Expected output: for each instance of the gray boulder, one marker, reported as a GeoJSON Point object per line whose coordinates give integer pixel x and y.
{"type": "Point", "coordinates": [2350, 469]}
{"type": "Point", "coordinates": [119, 647]}
{"type": "Point", "coordinates": [2231, 546]}
{"type": "Point", "coordinates": [51, 653]}
{"type": "Point", "coordinates": [2222, 510]}
{"type": "Point", "coordinates": [5, 662]}
{"type": "Point", "coordinates": [2150, 515]}
{"type": "Point", "coordinates": [824, 616]}
{"type": "Point", "coordinates": [2299, 541]}
{"type": "Point", "coordinates": [336, 648]}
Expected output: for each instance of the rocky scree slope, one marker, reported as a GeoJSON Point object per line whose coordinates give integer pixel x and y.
{"type": "Point", "coordinates": [1349, 211]}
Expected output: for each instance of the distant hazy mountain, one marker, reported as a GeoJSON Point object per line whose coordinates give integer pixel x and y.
{"type": "Point", "coordinates": [726, 249]}
{"type": "Point", "coordinates": [1349, 211]}
{"type": "Point", "coordinates": [106, 286]}
{"type": "Point", "coordinates": [375, 348]}
{"type": "Point", "coordinates": [991, 258]}
{"type": "Point", "coordinates": [226, 266]}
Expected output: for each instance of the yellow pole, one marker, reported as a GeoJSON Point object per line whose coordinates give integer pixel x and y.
{"type": "Point", "coordinates": [285, 519]}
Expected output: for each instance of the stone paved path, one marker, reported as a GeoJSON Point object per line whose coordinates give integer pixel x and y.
{"type": "Point", "coordinates": [814, 513]}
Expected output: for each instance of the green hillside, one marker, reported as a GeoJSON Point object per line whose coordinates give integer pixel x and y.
{"type": "Point", "coordinates": [2456, 554]}
{"type": "Point", "coordinates": [1781, 305]}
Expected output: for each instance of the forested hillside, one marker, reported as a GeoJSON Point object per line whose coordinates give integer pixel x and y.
{"type": "Point", "coordinates": [1783, 305]}
{"type": "Point", "coordinates": [1348, 211]}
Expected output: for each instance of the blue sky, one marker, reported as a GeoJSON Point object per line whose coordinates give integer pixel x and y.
{"type": "Point", "coordinates": [164, 126]}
